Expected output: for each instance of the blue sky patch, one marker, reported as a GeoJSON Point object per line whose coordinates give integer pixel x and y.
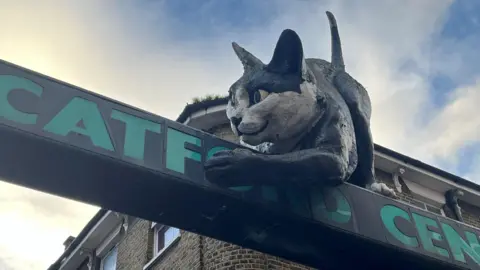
{"type": "Point", "coordinates": [206, 19]}
{"type": "Point", "coordinates": [462, 25]}
{"type": "Point", "coordinates": [463, 21]}
{"type": "Point", "coordinates": [466, 156]}
{"type": "Point", "coordinates": [441, 85]}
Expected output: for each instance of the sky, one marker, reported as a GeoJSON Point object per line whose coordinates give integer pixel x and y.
{"type": "Point", "coordinates": [418, 60]}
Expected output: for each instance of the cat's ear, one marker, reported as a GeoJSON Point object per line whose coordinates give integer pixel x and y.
{"type": "Point", "coordinates": [288, 55]}
{"type": "Point", "coordinates": [249, 61]}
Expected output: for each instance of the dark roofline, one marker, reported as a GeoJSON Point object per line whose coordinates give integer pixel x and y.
{"type": "Point", "coordinates": [202, 105]}
{"type": "Point", "coordinates": [419, 164]}
{"type": "Point", "coordinates": [95, 219]}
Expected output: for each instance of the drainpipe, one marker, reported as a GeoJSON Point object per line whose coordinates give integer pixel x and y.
{"type": "Point", "coordinates": [93, 263]}
{"type": "Point", "coordinates": [396, 179]}
{"type": "Point", "coordinates": [451, 198]}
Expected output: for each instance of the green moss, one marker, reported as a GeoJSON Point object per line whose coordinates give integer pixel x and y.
{"type": "Point", "coordinates": [206, 98]}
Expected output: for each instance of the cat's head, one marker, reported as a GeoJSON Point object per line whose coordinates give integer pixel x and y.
{"type": "Point", "coordinates": [277, 101]}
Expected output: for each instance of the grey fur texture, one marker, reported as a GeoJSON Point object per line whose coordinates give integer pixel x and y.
{"type": "Point", "coordinates": [308, 118]}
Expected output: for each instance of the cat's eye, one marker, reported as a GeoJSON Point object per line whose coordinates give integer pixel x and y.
{"type": "Point", "coordinates": [259, 95]}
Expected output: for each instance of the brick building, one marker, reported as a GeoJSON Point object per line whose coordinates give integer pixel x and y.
{"type": "Point", "coordinates": [117, 241]}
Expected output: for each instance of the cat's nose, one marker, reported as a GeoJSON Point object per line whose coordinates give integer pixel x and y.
{"type": "Point", "coordinates": [236, 121]}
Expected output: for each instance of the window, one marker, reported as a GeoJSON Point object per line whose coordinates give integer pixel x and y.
{"type": "Point", "coordinates": [428, 207]}
{"type": "Point", "coordinates": [164, 236]}
{"type": "Point", "coordinates": [109, 262]}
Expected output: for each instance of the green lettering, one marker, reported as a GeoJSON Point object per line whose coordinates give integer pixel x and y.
{"type": "Point", "coordinates": [342, 214]}
{"type": "Point", "coordinates": [9, 83]}
{"type": "Point", "coordinates": [79, 109]}
{"type": "Point", "coordinates": [176, 152]}
{"type": "Point", "coordinates": [458, 245]}
{"type": "Point", "coordinates": [135, 129]}
{"type": "Point", "coordinates": [388, 214]}
{"type": "Point", "coordinates": [426, 236]}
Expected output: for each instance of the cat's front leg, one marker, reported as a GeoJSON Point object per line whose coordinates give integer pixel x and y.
{"type": "Point", "coordinates": [243, 167]}
{"type": "Point", "coordinates": [233, 167]}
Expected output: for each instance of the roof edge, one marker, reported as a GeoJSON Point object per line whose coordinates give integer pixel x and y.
{"type": "Point", "coordinates": [93, 221]}
{"type": "Point", "coordinates": [422, 165]}
{"type": "Point", "coordinates": [201, 105]}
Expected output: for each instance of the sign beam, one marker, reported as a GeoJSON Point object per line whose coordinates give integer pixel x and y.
{"type": "Point", "coordinates": [63, 140]}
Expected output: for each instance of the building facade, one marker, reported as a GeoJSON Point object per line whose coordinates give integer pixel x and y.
{"type": "Point", "coordinates": [117, 241]}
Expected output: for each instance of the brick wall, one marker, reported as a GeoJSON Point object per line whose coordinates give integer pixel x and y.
{"type": "Point", "coordinates": [222, 256]}
{"type": "Point", "coordinates": [133, 249]}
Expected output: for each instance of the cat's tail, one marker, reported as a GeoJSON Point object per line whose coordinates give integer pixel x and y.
{"type": "Point", "coordinates": [337, 55]}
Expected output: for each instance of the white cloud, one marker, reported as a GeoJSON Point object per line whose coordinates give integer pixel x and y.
{"type": "Point", "coordinates": [123, 50]}
{"type": "Point", "coordinates": [34, 226]}
{"type": "Point", "coordinates": [456, 126]}
{"type": "Point", "coordinates": [458, 123]}
{"type": "Point", "coordinates": [474, 175]}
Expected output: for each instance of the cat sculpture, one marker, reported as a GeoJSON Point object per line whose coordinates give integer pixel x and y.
{"type": "Point", "coordinates": [308, 119]}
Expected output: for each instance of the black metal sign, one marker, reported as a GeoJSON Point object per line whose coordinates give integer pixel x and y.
{"type": "Point", "coordinates": [66, 141]}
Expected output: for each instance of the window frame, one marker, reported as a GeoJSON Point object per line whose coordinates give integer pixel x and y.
{"type": "Point", "coordinates": [426, 205]}
{"type": "Point", "coordinates": [160, 228]}
{"type": "Point", "coordinates": [102, 260]}
{"type": "Point", "coordinates": [156, 227]}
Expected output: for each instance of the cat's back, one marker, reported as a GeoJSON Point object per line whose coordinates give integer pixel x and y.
{"type": "Point", "coordinates": [350, 90]}
{"type": "Point", "coordinates": [320, 67]}
{"type": "Point", "coordinates": [323, 70]}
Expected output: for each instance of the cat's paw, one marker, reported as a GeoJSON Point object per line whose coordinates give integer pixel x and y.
{"type": "Point", "coordinates": [228, 165]}
{"type": "Point", "coordinates": [383, 189]}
